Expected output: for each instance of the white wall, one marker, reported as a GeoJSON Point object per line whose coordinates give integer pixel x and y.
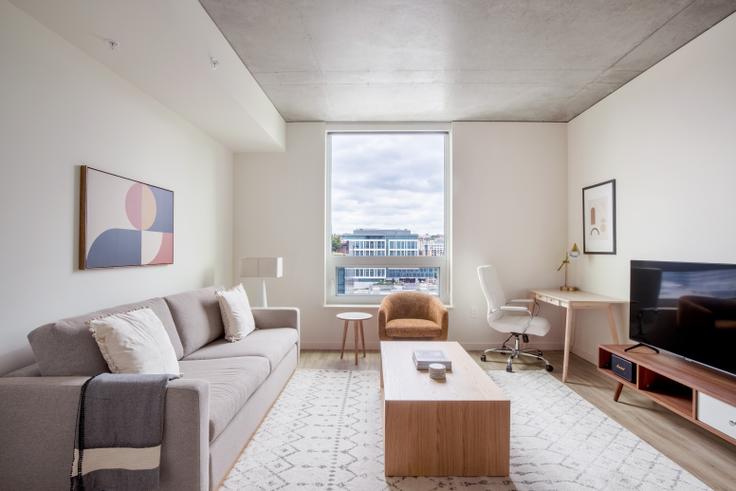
{"type": "Point", "coordinates": [509, 209]}
{"type": "Point", "coordinates": [669, 139]}
{"type": "Point", "coordinates": [61, 109]}
{"type": "Point", "coordinates": [164, 49]}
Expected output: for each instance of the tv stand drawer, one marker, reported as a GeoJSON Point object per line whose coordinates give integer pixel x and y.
{"type": "Point", "coordinates": [717, 414]}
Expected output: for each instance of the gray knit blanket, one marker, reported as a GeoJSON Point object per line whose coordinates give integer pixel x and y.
{"type": "Point", "coordinates": [119, 432]}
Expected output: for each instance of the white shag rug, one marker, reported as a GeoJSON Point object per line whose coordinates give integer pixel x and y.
{"type": "Point", "coordinates": [326, 433]}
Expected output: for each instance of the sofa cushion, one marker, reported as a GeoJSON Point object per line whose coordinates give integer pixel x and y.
{"type": "Point", "coordinates": [412, 328]}
{"type": "Point", "coordinates": [273, 344]}
{"type": "Point", "coordinates": [237, 318]}
{"type": "Point", "coordinates": [197, 317]}
{"type": "Point", "coordinates": [232, 381]}
{"type": "Point", "coordinates": [135, 342]}
{"type": "Point", "coordinates": [28, 371]}
{"type": "Point", "coordinates": [66, 347]}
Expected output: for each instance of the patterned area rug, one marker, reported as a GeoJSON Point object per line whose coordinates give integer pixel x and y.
{"type": "Point", "coordinates": [326, 432]}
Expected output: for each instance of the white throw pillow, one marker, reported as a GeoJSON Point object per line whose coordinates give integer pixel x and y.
{"type": "Point", "coordinates": [236, 313]}
{"type": "Point", "coordinates": [135, 342]}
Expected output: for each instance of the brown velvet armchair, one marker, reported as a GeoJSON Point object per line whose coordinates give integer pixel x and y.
{"type": "Point", "coordinates": [412, 315]}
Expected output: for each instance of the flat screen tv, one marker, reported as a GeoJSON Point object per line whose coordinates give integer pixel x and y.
{"type": "Point", "coordinates": [688, 309]}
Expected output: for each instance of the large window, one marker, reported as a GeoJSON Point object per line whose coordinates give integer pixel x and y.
{"type": "Point", "coordinates": [387, 214]}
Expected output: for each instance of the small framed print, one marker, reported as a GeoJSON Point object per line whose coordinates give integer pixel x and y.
{"type": "Point", "coordinates": [599, 218]}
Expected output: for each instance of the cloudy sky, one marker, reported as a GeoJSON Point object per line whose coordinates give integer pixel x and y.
{"type": "Point", "coordinates": [382, 180]}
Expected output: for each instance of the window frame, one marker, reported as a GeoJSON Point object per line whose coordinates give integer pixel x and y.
{"type": "Point", "coordinates": [332, 262]}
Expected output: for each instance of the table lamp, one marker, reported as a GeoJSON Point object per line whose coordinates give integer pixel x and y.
{"type": "Point", "coordinates": [262, 267]}
{"type": "Point", "coordinates": [573, 253]}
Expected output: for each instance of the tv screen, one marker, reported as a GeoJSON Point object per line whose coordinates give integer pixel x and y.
{"type": "Point", "coordinates": [688, 309]}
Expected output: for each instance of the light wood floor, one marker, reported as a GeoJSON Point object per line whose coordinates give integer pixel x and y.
{"type": "Point", "coordinates": [703, 454]}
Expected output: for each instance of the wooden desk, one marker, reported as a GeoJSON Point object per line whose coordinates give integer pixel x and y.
{"type": "Point", "coordinates": [572, 301]}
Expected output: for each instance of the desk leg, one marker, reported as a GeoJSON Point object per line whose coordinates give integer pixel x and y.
{"type": "Point", "coordinates": [612, 325]}
{"type": "Point", "coordinates": [569, 319]}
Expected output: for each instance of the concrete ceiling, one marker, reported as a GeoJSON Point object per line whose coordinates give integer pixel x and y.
{"type": "Point", "coordinates": [450, 60]}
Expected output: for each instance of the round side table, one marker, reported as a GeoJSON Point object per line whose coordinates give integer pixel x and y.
{"type": "Point", "coordinates": [357, 319]}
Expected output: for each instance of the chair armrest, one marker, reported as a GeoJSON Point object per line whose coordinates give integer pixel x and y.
{"type": "Point", "coordinates": [439, 314]}
{"type": "Point", "coordinates": [384, 315]}
{"type": "Point", "coordinates": [382, 320]}
{"type": "Point", "coordinates": [521, 300]}
{"type": "Point", "coordinates": [39, 416]}
{"type": "Point", "coordinates": [515, 308]}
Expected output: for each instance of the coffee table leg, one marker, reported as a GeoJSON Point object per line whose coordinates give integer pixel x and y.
{"type": "Point", "coordinates": [355, 330]}
{"type": "Point", "coordinates": [344, 336]}
{"type": "Point", "coordinates": [362, 337]}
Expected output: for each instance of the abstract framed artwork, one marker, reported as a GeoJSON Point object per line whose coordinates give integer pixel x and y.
{"type": "Point", "coordinates": [123, 222]}
{"type": "Point", "coordinates": [599, 218]}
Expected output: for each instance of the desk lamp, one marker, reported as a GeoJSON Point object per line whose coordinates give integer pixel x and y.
{"type": "Point", "coordinates": [572, 254]}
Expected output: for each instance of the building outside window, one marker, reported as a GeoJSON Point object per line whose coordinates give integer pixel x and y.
{"type": "Point", "coordinates": [388, 214]}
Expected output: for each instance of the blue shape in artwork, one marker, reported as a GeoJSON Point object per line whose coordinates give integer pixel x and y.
{"type": "Point", "coordinates": [115, 247]}
{"type": "Point", "coordinates": [164, 221]}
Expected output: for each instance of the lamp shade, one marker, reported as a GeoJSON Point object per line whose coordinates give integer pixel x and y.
{"type": "Point", "coordinates": [574, 252]}
{"type": "Point", "coordinates": [261, 267]}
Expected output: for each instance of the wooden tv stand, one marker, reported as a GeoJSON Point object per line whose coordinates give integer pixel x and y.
{"type": "Point", "coordinates": [698, 394]}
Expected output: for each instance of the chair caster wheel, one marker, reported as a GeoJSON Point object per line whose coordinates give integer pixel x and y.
{"type": "Point", "coordinates": [549, 368]}
{"type": "Point", "coordinates": [483, 358]}
{"type": "Point", "coordinates": [508, 369]}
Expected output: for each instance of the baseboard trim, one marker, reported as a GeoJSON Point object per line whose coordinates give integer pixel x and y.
{"type": "Point", "coordinates": [374, 346]}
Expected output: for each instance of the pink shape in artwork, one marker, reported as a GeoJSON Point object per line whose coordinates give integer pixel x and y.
{"type": "Point", "coordinates": [133, 205]}
{"type": "Point", "coordinates": [165, 254]}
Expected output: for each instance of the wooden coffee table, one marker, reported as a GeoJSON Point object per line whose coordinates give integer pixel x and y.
{"type": "Point", "coordinates": [459, 427]}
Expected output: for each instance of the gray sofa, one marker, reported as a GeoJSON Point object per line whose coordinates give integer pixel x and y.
{"type": "Point", "coordinates": [211, 412]}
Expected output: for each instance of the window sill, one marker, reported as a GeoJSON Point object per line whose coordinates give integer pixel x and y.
{"type": "Point", "coordinates": [364, 306]}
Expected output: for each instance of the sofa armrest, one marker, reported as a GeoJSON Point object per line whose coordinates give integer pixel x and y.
{"type": "Point", "coordinates": [268, 317]}
{"type": "Point", "coordinates": [39, 416]}
{"type": "Point", "coordinates": [185, 450]}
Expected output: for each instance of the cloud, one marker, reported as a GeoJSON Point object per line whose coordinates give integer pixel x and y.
{"type": "Point", "coordinates": [388, 180]}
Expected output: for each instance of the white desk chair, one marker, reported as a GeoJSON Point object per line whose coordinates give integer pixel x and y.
{"type": "Point", "coordinates": [516, 320]}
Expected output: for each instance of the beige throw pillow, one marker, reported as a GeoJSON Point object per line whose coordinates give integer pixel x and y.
{"type": "Point", "coordinates": [135, 342]}
{"type": "Point", "coordinates": [236, 313]}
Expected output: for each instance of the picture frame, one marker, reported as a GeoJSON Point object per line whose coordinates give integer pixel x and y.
{"type": "Point", "coordinates": [123, 222]}
{"type": "Point", "coordinates": [599, 218]}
